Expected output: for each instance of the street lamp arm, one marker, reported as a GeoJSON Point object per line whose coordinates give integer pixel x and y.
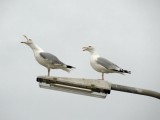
{"type": "Point", "coordinates": [135, 90]}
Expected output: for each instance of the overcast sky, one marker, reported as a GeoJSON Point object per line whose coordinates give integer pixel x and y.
{"type": "Point", "coordinates": [127, 32]}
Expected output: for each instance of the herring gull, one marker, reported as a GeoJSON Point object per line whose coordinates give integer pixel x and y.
{"type": "Point", "coordinates": [47, 60]}
{"type": "Point", "coordinates": [101, 64]}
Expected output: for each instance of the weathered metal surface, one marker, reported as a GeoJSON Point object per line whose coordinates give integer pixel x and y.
{"type": "Point", "coordinates": [89, 87]}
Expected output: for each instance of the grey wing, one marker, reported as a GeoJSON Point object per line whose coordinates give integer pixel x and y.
{"type": "Point", "coordinates": [107, 64]}
{"type": "Point", "coordinates": [51, 58]}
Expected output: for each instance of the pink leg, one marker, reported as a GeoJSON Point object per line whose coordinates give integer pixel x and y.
{"type": "Point", "coordinates": [102, 76]}
{"type": "Point", "coordinates": [48, 72]}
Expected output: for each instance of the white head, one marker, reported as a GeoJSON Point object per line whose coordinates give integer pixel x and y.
{"type": "Point", "coordinates": [90, 49]}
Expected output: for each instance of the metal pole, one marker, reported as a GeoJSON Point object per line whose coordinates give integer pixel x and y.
{"type": "Point", "coordinates": [93, 85]}
{"type": "Point", "coordinates": [135, 90]}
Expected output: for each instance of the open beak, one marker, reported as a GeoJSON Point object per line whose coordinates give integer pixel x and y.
{"type": "Point", "coordinates": [26, 38]}
{"type": "Point", "coordinates": [84, 48]}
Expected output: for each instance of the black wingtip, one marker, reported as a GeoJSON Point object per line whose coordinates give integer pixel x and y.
{"type": "Point", "coordinates": [126, 71]}
{"type": "Point", "coordinates": [68, 66]}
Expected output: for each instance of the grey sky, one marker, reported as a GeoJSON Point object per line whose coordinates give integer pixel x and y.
{"type": "Point", "coordinates": [124, 31]}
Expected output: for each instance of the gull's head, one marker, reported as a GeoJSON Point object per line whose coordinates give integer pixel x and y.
{"type": "Point", "coordinates": [28, 42]}
{"type": "Point", "coordinates": [90, 49]}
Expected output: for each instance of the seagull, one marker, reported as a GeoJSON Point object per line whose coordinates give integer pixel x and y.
{"type": "Point", "coordinates": [47, 60]}
{"type": "Point", "coordinates": [101, 64]}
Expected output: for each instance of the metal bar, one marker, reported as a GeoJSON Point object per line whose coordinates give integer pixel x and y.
{"type": "Point", "coordinates": [135, 90]}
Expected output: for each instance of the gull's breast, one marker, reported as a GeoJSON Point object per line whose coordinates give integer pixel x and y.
{"type": "Point", "coordinates": [96, 66]}
{"type": "Point", "coordinates": [41, 60]}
